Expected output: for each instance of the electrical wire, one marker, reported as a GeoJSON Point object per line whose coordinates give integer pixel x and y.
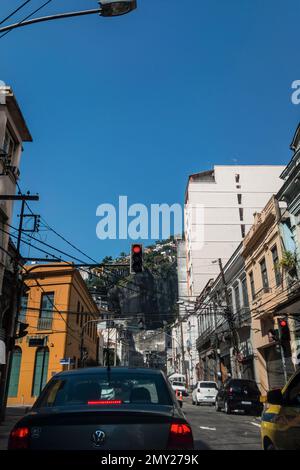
{"type": "Point", "coordinates": [15, 11]}
{"type": "Point", "coordinates": [27, 17]}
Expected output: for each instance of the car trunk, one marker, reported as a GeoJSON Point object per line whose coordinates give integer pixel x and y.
{"type": "Point", "coordinates": [245, 393]}
{"type": "Point", "coordinates": [208, 392]}
{"type": "Point", "coordinates": [124, 429]}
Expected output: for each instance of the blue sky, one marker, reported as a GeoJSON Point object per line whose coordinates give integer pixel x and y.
{"type": "Point", "coordinates": [166, 91]}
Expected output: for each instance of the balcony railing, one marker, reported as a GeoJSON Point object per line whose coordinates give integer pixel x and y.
{"type": "Point", "coordinates": [44, 324]}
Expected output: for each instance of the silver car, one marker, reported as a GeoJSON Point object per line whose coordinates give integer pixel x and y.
{"type": "Point", "coordinates": [76, 412]}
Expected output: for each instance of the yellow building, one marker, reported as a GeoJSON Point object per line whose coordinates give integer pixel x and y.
{"type": "Point", "coordinates": [263, 249]}
{"type": "Point", "coordinates": [56, 306]}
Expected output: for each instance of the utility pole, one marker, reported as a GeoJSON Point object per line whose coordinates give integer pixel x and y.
{"type": "Point", "coordinates": [15, 302]}
{"type": "Point", "coordinates": [183, 355]}
{"type": "Point", "coordinates": [229, 315]}
{"type": "Point", "coordinates": [115, 352]}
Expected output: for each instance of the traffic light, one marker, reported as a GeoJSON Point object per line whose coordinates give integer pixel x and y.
{"type": "Point", "coordinates": [136, 258]}
{"type": "Point", "coordinates": [284, 331]}
{"type": "Point", "coordinates": [22, 330]}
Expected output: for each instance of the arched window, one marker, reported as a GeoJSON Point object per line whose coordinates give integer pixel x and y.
{"type": "Point", "coordinates": [40, 371]}
{"type": "Point", "coordinates": [15, 373]}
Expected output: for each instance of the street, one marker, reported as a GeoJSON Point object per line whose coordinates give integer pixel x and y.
{"type": "Point", "coordinates": [218, 431]}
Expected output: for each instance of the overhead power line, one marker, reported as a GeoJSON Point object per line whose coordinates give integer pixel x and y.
{"type": "Point", "coordinates": [27, 17]}
{"type": "Point", "coordinates": [15, 11]}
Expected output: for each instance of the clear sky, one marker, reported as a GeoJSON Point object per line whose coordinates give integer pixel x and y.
{"type": "Point", "coordinates": [133, 105]}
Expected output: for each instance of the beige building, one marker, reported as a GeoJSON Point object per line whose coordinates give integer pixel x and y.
{"type": "Point", "coordinates": [263, 250]}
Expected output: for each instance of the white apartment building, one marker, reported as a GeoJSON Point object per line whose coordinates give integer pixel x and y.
{"type": "Point", "coordinates": [219, 208]}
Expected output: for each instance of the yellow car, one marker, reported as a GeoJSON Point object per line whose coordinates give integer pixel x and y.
{"type": "Point", "coordinates": [280, 422]}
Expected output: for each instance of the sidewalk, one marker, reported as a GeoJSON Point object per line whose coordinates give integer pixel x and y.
{"type": "Point", "coordinates": [13, 414]}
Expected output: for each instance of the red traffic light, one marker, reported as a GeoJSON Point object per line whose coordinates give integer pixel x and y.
{"type": "Point", "coordinates": [136, 258]}
{"type": "Point", "coordinates": [283, 323]}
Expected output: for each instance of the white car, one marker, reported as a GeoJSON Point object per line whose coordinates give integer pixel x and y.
{"type": "Point", "coordinates": [180, 387]}
{"type": "Point", "coordinates": [205, 392]}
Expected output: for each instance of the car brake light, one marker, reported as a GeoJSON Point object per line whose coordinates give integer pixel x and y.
{"type": "Point", "coordinates": [19, 438]}
{"type": "Point", "coordinates": [180, 437]}
{"type": "Point", "coordinates": [105, 402]}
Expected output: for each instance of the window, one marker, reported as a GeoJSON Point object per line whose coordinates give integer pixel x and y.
{"type": "Point", "coordinates": [245, 292]}
{"type": "Point", "coordinates": [40, 371]}
{"type": "Point", "coordinates": [237, 178]}
{"type": "Point", "coordinates": [81, 317]}
{"type": "Point", "coordinates": [237, 298]}
{"type": "Point", "coordinates": [46, 311]}
{"type": "Point", "coordinates": [276, 265]}
{"type": "Point", "coordinates": [241, 211]}
{"type": "Point", "coordinates": [9, 145]}
{"type": "Point", "coordinates": [239, 198]}
{"type": "Point", "coordinates": [78, 311]}
{"type": "Point", "coordinates": [208, 385]}
{"type": "Point", "coordinates": [252, 285]}
{"type": "Point", "coordinates": [130, 387]}
{"type": "Point", "coordinates": [23, 308]}
{"type": "Point", "coordinates": [293, 392]}
{"type": "Point", "coordinates": [230, 299]}
{"type": "Point", "coordinates": [243, 231]}
{"type": "Point", "coordinates": [264, 274]}
{"type": "Point", "coordinates": [15, 373]}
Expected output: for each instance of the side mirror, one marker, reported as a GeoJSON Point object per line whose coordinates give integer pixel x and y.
{"type": "Point", "coordinates": [274, 397]}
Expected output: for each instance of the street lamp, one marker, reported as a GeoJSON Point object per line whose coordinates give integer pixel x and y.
{"type": "Point", "coordinates": [107, 8]}
{"type": "Point", "coordinates": [116, 7]}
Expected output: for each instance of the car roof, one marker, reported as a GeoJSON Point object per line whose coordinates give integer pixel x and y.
{"type": "Point", "coordinates": [97, 370]}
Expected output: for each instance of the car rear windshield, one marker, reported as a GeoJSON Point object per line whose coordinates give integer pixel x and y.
{"type": "Point", "coordinates": [92, 389]}
{"type": "Point", "coordinates": [178, 384]}
{"type": "Point", "coordinates": [240, 385]}
{"type": "Point", "coordinates": [208, 385]}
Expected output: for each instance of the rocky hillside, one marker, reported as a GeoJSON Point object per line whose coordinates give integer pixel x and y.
{"type": "Point", "coordinates": [147, 298]}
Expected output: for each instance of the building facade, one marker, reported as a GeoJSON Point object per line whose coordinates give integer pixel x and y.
{"type": "Point", "coordinates": [290, 194]}
{"type": "Point", "coordinates": [13, 132]}
{"type": "Point", "coordinates": [219, 208]}
{"type": "Point", "coordinates": [215, 343]}
{"type": "Point", "coordinates": [269, 287]}
{"type": "Point", "coordinates": [59, 311]}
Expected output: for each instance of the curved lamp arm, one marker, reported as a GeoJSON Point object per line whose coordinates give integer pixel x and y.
{"type": "Point", "coordinates": [107, 8]}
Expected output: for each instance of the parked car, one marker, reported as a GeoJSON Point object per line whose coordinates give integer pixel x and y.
{"type": "Point", "coordinates": [280, 422]}
{"type": "Point", "coordinates": [73, 414]}
{"type": "Point", "coordinates": [205, 392]}
{"type": "Point", "coordinates": [180, 387]}
{"type": "Point", "coordinates": [239, 395]}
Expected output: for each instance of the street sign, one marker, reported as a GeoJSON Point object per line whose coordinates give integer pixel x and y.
{"type": "Point", "coordinates": [66, 361]}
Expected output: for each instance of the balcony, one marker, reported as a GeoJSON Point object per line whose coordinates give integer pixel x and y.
{"type": "Point", "coordinates": [243, 317]}
{"type": "Point", "coordinates": [44, 323]}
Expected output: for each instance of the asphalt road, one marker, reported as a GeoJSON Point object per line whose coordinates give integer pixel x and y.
{"type": "Point", "coordinates": [218, 431]}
